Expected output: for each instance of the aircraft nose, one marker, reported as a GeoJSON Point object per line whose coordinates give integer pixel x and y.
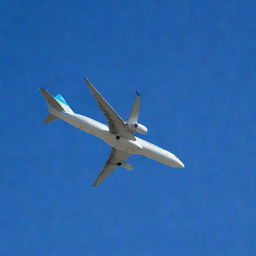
{"type": "Point", "coordinates": [179, 163]}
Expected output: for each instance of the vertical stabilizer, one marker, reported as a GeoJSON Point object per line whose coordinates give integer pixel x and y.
{"type": "Point", "coordinates": [58, 103]}
{"type": "Point", "coordinates": [51, 101]}
{"type": "Point", "coordinates": [63, 103]}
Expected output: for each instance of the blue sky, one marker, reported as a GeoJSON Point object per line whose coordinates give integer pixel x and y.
{"type": "Point", "coordinates": [194, 64]}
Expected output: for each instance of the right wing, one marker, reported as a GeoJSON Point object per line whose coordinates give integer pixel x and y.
{"type": "Point", "coordinates": [113, 161]}
{"type": "Point", "coordinates": [115, 123]}
{"type": "Point", "coordinates": [134, 116]}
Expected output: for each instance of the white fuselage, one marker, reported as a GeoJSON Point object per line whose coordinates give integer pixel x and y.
{"type": "Point", "coordinates": [138, 146]}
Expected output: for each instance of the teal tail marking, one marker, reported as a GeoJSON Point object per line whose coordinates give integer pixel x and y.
{"type": "Point", "coordinates": [61, 99]}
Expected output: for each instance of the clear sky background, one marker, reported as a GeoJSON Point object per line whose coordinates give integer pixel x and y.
{"type": "Point", "coordinates": [194, 64]}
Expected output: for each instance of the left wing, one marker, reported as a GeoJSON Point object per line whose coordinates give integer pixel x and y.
{"type": "Point", "coordinates": [115, 123]}
{"type": "Point", "coordinates": [115, 159]}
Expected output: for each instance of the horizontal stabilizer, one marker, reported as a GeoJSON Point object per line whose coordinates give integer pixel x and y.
{"type": "Point", "coordinates": [50, 118]}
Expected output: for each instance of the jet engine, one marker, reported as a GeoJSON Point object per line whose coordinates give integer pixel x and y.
{"type": "Point", "coordinates": [137, 127]}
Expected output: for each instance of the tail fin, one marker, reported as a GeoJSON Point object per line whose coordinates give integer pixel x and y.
{"type": "Point", "coordinates": [63, 103]}
{"type": "Point", "coordinates": [57, 102]}
{"type": "Point", "coordinates": [51, 101]}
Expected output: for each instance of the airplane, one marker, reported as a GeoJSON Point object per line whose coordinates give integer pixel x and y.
{"type": "Point", "coordinates": [119, 134]}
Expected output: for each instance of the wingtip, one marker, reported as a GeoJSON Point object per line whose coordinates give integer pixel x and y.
{"type": "Point", "coordinates": [137, 92]}
{"type": "Point", "coordinates": [87, 81]}
{"type": "Point", "coordinates": [94, 184]}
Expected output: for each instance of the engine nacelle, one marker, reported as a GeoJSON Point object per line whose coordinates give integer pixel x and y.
{"type": "Point", "coordinates": [138, 128]}
{"type": "Point", "coordinates": [125, 165]}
